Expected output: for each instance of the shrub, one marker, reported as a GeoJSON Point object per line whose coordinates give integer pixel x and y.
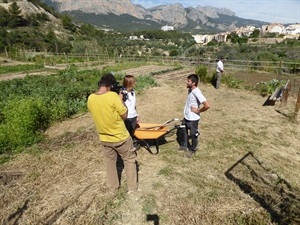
{"type": "Point", "coordinates": [231, 82]}
{"type": "Point", "coordinates": [24, 121]}
{"type": "Point", "coordinates": [201, 71]}
{"type": "Point", "coordinates": [266, 88]}
{"type": "Point", "coordinates": [144, 82]}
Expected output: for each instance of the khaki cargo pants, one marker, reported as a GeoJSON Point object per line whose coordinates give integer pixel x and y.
{"type": "Point", "coordinates": [125, 150]}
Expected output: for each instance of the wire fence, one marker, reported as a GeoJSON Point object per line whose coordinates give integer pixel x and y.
{"type": "Point", "coordinates": [289, 67]}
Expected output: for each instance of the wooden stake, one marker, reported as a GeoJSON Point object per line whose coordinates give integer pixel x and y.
{"type": "Point", "coordinates": [297, 106]}
{"type": "Point", "coordinates": [285, 95]}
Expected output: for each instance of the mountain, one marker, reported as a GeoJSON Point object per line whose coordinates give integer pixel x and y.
{"type": "Point", "coordinates": [126, 16]}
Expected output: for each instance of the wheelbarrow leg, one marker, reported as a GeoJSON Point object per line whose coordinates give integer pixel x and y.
{"type": "Point", "coordinates": [136, 144]}
{"type": "Point", "coordinates": [144, 144]}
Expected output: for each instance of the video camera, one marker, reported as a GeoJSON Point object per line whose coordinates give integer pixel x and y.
{"type": "Point", "coordinates": [116, 87]}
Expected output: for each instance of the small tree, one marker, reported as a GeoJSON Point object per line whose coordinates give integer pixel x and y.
{"type": "Point", "coordinates": [15, 19]}
{"type": "Point", "coordinates": [255, 33]}
{"type": "Point", "coordinates": [67, 23]}
{"type": "Point", "coordinates": [4, 17]}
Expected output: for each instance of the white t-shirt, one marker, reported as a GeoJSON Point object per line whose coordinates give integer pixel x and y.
{"type": "Point", "coordinates": [131, 104]}
{"type": "Point", "coordinates": [220, 66]}
{"type": "Point", "coordinates": [194, 98]}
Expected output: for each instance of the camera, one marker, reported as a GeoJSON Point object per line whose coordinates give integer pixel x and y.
{"type": "Point", "coordinates": [116, 87]}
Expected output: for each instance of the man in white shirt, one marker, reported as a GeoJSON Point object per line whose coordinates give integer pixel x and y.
{"type": "Point", "coordinates": [192, 112]}
{"type": "Point", "coordinates": [219, 70]}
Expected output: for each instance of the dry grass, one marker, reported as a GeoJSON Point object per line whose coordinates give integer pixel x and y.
{"type": "Point", "coordinates": [245, 171]}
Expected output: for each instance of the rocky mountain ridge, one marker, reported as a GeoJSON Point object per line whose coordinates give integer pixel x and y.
{"type": "Point", "coordinates": [171, 14]}
{"type": "Point", "coordinates": [126, 16]}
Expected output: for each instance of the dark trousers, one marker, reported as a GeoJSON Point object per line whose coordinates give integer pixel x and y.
{"type": "Point", "coordinates": [191, 132]}
{"type": "Point", "coordinates": [130, 124]}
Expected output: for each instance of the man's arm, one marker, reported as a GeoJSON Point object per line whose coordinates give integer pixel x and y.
{"type": "Point", "coordinates": [121, 107]}
{"type": "Point", "coordinates": [124, 116]}
{"type": "Point", "coordinates": [205, 107]}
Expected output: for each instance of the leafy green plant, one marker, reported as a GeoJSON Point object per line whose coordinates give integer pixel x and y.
{"type": "Point", "coordinates": [25, 119]}
{"type": "Point", "coordinates": [268, 87]}
{"type": "Point", "coordinates": [30, 105]}
{"type": "Point", "coordinates": [231, 82]}
{"type": "Point", "coordinates": [18, 68]}
{"type": "Point", "coordinates": [144, 82]}
{"type": "Point", "coordinates": [201, 71]}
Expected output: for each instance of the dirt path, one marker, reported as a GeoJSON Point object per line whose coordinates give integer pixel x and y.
{"type": "Point", "coordinates": [66, 184]}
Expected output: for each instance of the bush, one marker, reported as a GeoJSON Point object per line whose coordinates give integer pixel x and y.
{"type": "Point", "coordinates": [267, 88]}
{"type": "Point", "coordinates": [24, 121]}
{"type": "Point", "coordinates": [201, 71]}
{"type": "Point", "coordinates": [231, 82]}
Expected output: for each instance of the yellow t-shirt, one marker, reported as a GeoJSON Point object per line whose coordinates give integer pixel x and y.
{"type": "Point", "coordinates": [106, 110]}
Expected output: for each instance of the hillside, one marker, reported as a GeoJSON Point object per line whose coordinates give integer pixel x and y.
{"type": "Point", "coordinates": [129, 17]}
{"type": "Point", "coordinates": [65, 182]}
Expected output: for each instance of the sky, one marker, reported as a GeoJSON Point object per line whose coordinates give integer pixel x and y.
{"type": "Point", "coordinates": [272, 11]}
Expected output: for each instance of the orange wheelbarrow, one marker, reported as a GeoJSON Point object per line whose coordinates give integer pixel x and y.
{"type": "Point", "coordinates": [152, 132]}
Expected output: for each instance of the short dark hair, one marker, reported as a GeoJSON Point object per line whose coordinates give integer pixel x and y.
{"type": "Point", "coordinates": [194, 78]}
{"type": "Point", "coordinates": [107, 80]}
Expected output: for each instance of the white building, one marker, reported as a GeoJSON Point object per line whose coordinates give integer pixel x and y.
{"type": "Point", "coordinates": [167, 28]}
{"type": "Point", "coordinates": [293, 29]}
{"type": "Point", "coordinates": [245, 31]}
{"type": "Point", "coordinates": [274, 28]}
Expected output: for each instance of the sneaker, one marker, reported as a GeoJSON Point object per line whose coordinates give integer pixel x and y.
{"type": "Point", "coordinates": [182, 148]}
{"type": "Point", "coordinates": [189, 153]}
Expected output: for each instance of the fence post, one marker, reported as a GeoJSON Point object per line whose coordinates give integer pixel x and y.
{"type": "Point", "coordinates": [6, 53]}
{"type": "Point", "coordinates": [297, 107]}
{"type": "Point", "coordinates": [285, 95]}
{"type": "Point", "coordinates": [280, 67]}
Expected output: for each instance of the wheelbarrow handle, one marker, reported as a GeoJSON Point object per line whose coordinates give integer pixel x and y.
{"type": "Point", "coordinates": [170, 121]}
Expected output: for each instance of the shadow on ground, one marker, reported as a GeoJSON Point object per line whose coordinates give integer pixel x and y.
{"type": "Point", "coordinates": [273, 193]}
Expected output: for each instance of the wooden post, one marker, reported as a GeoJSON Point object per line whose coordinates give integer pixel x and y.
{"type": "Point", "coordinates": [6, 53]}
{"type": "Point", "coordinates": [297, 106]}
{"type": "Point", "coordinates": [285, 95]}
{"type": "Point", "coordinates": [280, 67]}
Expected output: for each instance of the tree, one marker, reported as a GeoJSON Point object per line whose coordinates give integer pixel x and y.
{"type": "Point", "coordinates": [15, 19]}
{"type": "Point", "coordinates": [4, 17]}
{"type": "Point", "coordinates": [67, 23]}
{"type": "Point", "coordinates": [3, 41]}
{"type": "Point", "coordinates": [255, 33]}
{"type": "Point", "coordinates": [52, 41]}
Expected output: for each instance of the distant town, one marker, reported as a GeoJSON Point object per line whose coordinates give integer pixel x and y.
{"type": "Point", "coordinates": [289, 32]}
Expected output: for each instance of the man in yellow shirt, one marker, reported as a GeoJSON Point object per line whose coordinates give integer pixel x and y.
{"type": "Point", "coordinates": [109, 112]}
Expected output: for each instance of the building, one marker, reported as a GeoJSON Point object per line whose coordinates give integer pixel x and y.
{"type": "Point", "coordinates": [274, 28]}
{"type": "Point", "coordinates": [167, 28]}
{"type": "Point", "coordinates": [293, 29]}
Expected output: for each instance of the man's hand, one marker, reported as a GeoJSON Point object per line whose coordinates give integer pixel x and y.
{"type": "Point", "coordinates": [205, 107]}
{"type": "Point", "coordinates": [195, 110]}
